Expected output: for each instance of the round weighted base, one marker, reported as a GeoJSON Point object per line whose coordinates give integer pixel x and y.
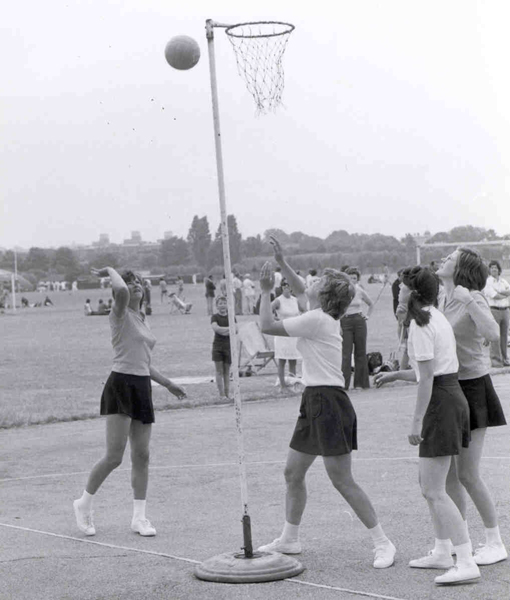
{"type": "Point", "coordinates": [236, 568]}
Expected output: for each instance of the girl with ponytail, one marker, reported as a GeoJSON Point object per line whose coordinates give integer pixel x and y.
{"type": "Point", "coordinates": [440, 425]}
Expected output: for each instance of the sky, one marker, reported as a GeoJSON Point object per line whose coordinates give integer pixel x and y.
{"type": "Point", "coordinates": [395, 120]}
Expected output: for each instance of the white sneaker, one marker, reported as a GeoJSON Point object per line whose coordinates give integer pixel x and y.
{"type": "Point", "coordinates": [284, 547]}
{"type": "Point", "coordinates": [143, 527]}
{"type": "Point", "coordinates": [384, 555]}
{"type": "Point", "coordinates": [489, 554]}
{"type": "Point", "coordinates": [432, 561]}
{"type": "Point", "coordinates": [459, 574]}
{"type": "Point", "coordinates": [84, 519]}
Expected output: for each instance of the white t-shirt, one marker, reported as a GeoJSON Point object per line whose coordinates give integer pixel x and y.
{"type": "Point", "coordinates": [434, 341]}
{"type": "Point", "coordinates": [320, 345]}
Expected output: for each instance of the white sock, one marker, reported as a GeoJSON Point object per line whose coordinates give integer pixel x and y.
{"type": "Point", "coordinates": [492, 536]}
{"type": "Point", "coordinates": [139, 509]}
{"type": "Point", "coordinates": [442, 547]}
{"type": "Point", "coordinates": [378, 536]}
{"type": "Point", "coordinates": [290, 533]}
{"type": "Point", "coordinates": [464, 553]}
{"type": "Point", "coordinates": [86, 500]}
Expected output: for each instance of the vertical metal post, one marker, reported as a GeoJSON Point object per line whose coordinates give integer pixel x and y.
{"type": "Point", "coordinates": [418, 254]}
{"type": "Point", "coordinates": [230, 295]}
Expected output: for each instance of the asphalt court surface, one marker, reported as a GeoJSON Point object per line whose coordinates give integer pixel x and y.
{"type": "Point", "coordinates": [194, 501]}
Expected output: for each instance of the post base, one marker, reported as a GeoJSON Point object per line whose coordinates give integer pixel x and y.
{"type": "Point", "coordinates": [236, 568]}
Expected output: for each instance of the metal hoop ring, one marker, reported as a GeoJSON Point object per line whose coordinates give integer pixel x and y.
{"type": "Point", "coordinates": [289, 28]}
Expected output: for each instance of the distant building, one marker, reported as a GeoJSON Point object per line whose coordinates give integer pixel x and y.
{"type": "Point", "coordinates": [104, 240]}
{"type": "Point", "coordinates": [134, 240]}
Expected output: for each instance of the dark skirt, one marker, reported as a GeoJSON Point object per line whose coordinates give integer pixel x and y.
{"type": "Point", "coordinates": [484, 406]}
{"type": "Point", "coordinates": [129, 395]}
{"type": "Point", "coordinates": [446, 423]}
{"type": "Point", "coordinates": [326, 425]}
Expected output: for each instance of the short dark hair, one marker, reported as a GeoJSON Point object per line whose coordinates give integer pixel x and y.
{"type": "Point", "coordinates": [470, 271]}
{"type": "Point", "coordinates": [128, 276]}
{"type": "Point", "coordinates": [336, 293]}
{"type": "Point", "coordinates": [220, 299]}
{"type": "Point", "coordinates": [353, 271]}
{"type": "Point", "coordinates": [495, 263]}
{"type": "Point", "coordinates": [313, 272]}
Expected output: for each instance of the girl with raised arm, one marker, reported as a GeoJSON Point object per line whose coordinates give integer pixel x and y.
{"type": "Point", "coordinates": [126, 401]}
{"type": "Point", "coordinates": [326, 425]}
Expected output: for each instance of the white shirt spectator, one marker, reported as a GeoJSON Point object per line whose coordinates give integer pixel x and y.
{"type": "Point", "coordinates": [496, 286]}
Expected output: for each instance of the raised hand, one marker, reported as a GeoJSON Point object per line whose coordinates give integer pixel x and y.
{"type": "Point", "coordinates": [266, 278]}
{"type": "Point", "coordinates": [101, 272]}
{"type": "Point", "coordinates": [277, 249]}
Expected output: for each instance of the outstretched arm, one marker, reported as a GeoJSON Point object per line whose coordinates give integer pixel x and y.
{"type": "Point", "coordinates": [387, 377]}
{"type": "Point", "coordinates": [119, 287]}
{"type": "Point", "coordinates": [172, 387]}
{"type": "Point", "coordinates": [296, 285]}
{"type": "Point", "coordinates": [268, 324]}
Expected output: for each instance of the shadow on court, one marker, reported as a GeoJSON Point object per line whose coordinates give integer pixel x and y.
{"type": "Point", "coordinates": [194, 502]}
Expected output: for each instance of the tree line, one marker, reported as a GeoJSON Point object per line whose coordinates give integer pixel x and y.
{"type": "Point", "coordinates": [201, 252]}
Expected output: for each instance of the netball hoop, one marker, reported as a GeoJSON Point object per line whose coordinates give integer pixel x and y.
{"type": "Point", "coordinates": [259, 48]}
{"type": "Point", "coordinates": [259, 60]}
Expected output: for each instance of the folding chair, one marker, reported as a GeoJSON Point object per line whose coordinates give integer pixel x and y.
{"type": "Point", "coordinates": [254, 352]}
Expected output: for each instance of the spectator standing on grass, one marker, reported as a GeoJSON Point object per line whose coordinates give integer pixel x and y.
{"type": "Point", "coordinates": [326, 425]}
{"type": "Point", "coordinates": [395, 289]}
{"type": "Point", "coordinates": [354, 334]}
{"type": "Point", "coordinates": [249, 294]}
{"type": "Point", "coordinates": [497, 292]}
{"type": "Point", "coordinates": [209, 293]}
{"type": "Point", "coordinates": [277, 290]}
{"type": "Point", "coordinates": [237, 284]}
{"type": "Point", "coordinates": [126, 401]}
{"type": "Point", "coordinates": [147, 293]}
{"type": "Point", "coordinates": [180, 287]}
{"type": "Point", "coordinates": [221, 346]}
{"type": "Point", "coordinates": [464, 275]}
{"type": "Point", "coordinates": [285, 348]}
{"type": "Point", "coordinates": [163, 288]}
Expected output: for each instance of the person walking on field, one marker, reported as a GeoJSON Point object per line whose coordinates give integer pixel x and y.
{"type": "Point", "coordinates": [326, 425]}
{"type": "Point", "coordinates": [464, 275]}
{"type": "Point", "coordinates": [497, 291]}
{"type": "Point", "coordinates": [126, 401]}
{"type": "Point", "coordinates": [354, 334]}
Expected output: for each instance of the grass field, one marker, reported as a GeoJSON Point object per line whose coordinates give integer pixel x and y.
{"type": "Point", "coordinates": [55, 360]}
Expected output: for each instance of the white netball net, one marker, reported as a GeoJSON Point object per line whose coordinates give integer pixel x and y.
{"type": "Point", "coordinates": [259, 49]}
